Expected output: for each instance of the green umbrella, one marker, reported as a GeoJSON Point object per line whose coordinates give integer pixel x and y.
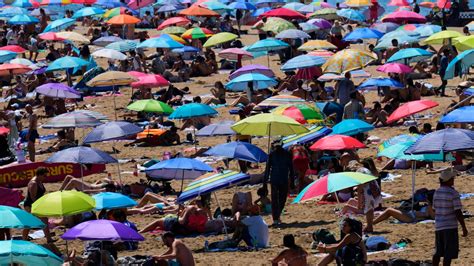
{"type": "Point", "coordinates": [173, 30]}
{"type": "Point", "coordinates": [277, 25]}
{"type": "Point", "coordinates": [26, 253]}
{"type": "Point", "coordinates": [62, 203]}
{"type": "Point", "coordinates": [150, 106]}
{"type": "Point", "coordinates": [325, 13]}
{"type": "Point", "coordinates": [221, 37]}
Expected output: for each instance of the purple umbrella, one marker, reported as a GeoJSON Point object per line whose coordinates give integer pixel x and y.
{"type": "Point", "coordinates": [385, 27]}
{"type": "Point", "coordinates": [253, 69]}
{"type": "Point", "coordinates": [320, 23]}
{"type": "Point", "coordinates": [58, 90]}
{"type": "Point", "coordinates": [102, 230]}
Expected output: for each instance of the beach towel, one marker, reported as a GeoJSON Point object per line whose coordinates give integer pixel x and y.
{"type": "Point", "coordinates": [10, 197]}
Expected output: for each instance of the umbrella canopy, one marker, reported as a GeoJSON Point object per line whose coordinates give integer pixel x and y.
{"type": "Point", "coordinates": [87, 12]}
{"type": "Point", "coordinates": [279, 100]}
{"type": "Point", "coordinates": [67, 62]}
{"type": "Point", "coordinates": [235, 54]}
{"type": "Point", "coordinates": [27, 253]}
{"type": "Point", "coordinates": [268, 125]}
{"type": "Point", "coordinates": [22, 61]}
{"type": "Point", "coordinates": [113, 130]}
{"type": "Point", "coordinates": [81, 155]}
{"type": "Point", "coordinates": [12, 11]}
{"type": "Point", "coordinates": [306, 27]}
{"type": "Point", "coordinates": [7, 69]}
{"type": "Point", "coordinates": [277, 25]}
{"type": "Point", "coordinates": [60, 24]}
{"type": "Point", "coordinates": [325, 13]}
{"type": "Point", "coordinates": [358, 3]}
{"type": "Point", "coordinates": [219, 38]}
{"type": "Point", "coordinates": [438, 38]}
{"type": "Point", "coordinates": [151, 106]}
{"type": "Point", "coordinates": [307, 9]}
{"type": "Point", "coordinates": [50, 36]}
{"type": "Point", "coordinates": [303, 61]}
{"type": "Point", "coordinates": [18, 218]}
{"type": "Point", "coordinates": [445, 140]}
{"type": "Point", "coordinates": [211, 182]}
{"type": "Point", "coordinates": [25, 3]}
{"type": "Point", "coordinates": [320, 23]}
{"type": "Point", "coordinates": [122, 46]}
{"type": "Point", "coordinates": [404, 16]}
{"type": "Point", "coordinates": [374, 83]}
{"type": "Point", "coordinates": [292, 34]}
{"type": "Point", "coordinates": [191, 110]}
{"type": "Point", "coordinates": [398, 139]}
{"type": "Point", "coordinates": [197, 33]}
{"type": "Point", "coordinates": [384, 27]}
{"type": "Point", "coordinates": [22, 19]}
{"type": "Point", "coordinates": [198, 11]}
{"type": "Point", "coordinates": [337, 143]}
{"type": "Point", "coordinates": [72, 120]}
{"type": "Point", "coordinates": [283, 13]}
{"type": "Point", "coordinates": [314, 133]}
{"type": "Point", "coordinates": [427, 30]}
{"type": "Point", "coordinates": [123, 19]}
{"type": "Point", "coordinates": [294, 6]}
{"type": "Point", "coordinates": [394, 68]}
{"type": "Point", "coordinates": [178, 21]}
{"type": "Point", "coordinates": [110, 54]}
{"type": "Point", "coordinates": [410, 108]}
{"type": "Point", "coordinates": [149, 81]}
{"type": "Point", "coordinates": [464, 43]}
{"type": "Point", "coordinates": [363, 33]}
{"type": "Point", "coordinates": [409, 55]}
{"type": "Point", "coordinates": [112, 200]}
{"type": "Point", "coordinates": [6, 56]}
{"type": "Point", "coordinates": [160, 42]}
{"type": "Point", "coordinates": [252, 69]}
{"type": "Point", "coordinates": [102, 230]}
{"type": "Point", "coordinates": [242, 5]}
{"type": "Point", "coordinates": [13, 48]}
{"type": "Point", "coordinates": [112, 78]}
{"type": "Point", "coordinates": [268, 44]}
{"type": "Point", "coordinates": [173, 30]}
{"type": "Point", "coordinates": [397, 151]}
{"type": "Point", "coordinates": [463, 114]}
{"type": "Point", "coordinates": [217, 129]}
{"type": "Point", "coordinates": [462, 62]}
{"type": "Point", "coordinates": [58, 90]}
{"type": "Point", "coordinates": [302, 113]}
{"type": "Point", "coordinates": [62, 203]}
{"type": "Point", "coordinates": [178, 168]}
{"type": "Point", "coordinates": [258, 81]}
{"type": "Point", "coordinates": [399, 3]}
{"type": "Point", "coordinates": [351, 14]}
{"type": "Point", "coordinates": [350, 127]}
{"type": "Point", "coordinates": [347, 60]}
{"type": "Point", "coordinates": [332, 182]}
{"type": "Point", "coordinates": [239, 150]}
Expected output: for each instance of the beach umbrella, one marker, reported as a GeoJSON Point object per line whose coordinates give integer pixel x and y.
{"type": "Point", "coordinates": [23, 61]}
{"type": "Point", "coordinates": [197, 33]}
{"type": "Point", "coordinates": [59, 24]}
{"type": "Point", "coordinates": [192, 110]}
{"type": "Point", "coordinates": [242, 5]}
{"type": "Point", "coordinates": [235, 54]}
{"type": "Point", "coordinates": [219, 38]}
{"type": "Point", "coordinates": [325, 13]}
{"type": "Point", "coordinates": [13, 48]}
{"type": "Point", "coordinates": [292, 34]}
{"type": "Point", "coordinates": [87, 12]}
{"type": "Point", "coordinates": [150, 106]}
{"type": "Point", "coordinates": [307, 9]}
{"type": "Point", "coordinates": [117, 11]}
{"type": "Point", "coordinates": [25, 4]}
{"type": "Point", "coordinates": [283, 13]}
{"type": "Point", "coordinates": [81, 155]}
{"type": "Point", "coordinates": [113, 130]}
{"type": "Point", "coordinates": [397, 151]}
{"type": "Point", "coordinates": [216, 6]}
{"type": "Point", "coordinates": [440, 37]}
{"type": "Point", "coordinates": [306, 27]}
{"type": "Point", "coordinates": [6, 56]}
{"type": "Point", "coordinates": [13, 11]}
{"type": "Point", "coordinates": [55, 2]}
{"type": "Point", "coordinates": [404, 16]}
{"type": "Point", "coordinates": [186, 49]}
{"type": "Point", "coordinates": [197, 11]}
{"type": "Point", "coordinates": [256, 13]}
{"type": "Point", "coordinates": [221, 128]}
{"type": "Point", "coordinates": [67, 62]}
{"type": "Point", "coordinates": [102, 230]}
{"type": "Point", "coordinates": [351, 14]}
{"type": "Point", "coordinates": [303, 61]}
{"type": "Point", "coordinates": [409, 55]}
{"type": "Point", "coordinates": [252, 69]}
{"type": "Point", "coordinates": [293, 6]}
{"type": "Point", "coordinates": [7, 69]}
{"type": "Point", "coordinates": [362, 33]}
{"type": "Point", "coordinates": [427, 30]}
{"type": "Point", "coordinates": [460, 64]}
{"type": "Point", "coordinates": [211, 182]}
{"type": "Point", "coordinates": [384, 27]}
{"type": "Point", "coordinates": [4, 131]}
{"type": "Point", "coordinates": [112, 78]}
{"type": "Point", "coordinates": [243, 151]}
{"type": "Point", "coordinates": [302, 113]}
{"type": "Point", "coordinates": [178, 168]}
{"type": "Point", "coordinates": [329, 108]}
{"type": "Point", "coordinates": [337, 142]}
{"type": "Point", "coordinates": [398, 139]}
{"type": "Point", "coordinates": [358, 3]}
{"type": "Point", "coordinates": [320, 23]}
{"type": "Point", "coordinates": [375, 83]}
{"type": "Point", "coordinates": [170, 37]}
{"type": "Point", "coordinates": [73, 36]}
{"type": "Point", "coordinates": [72, 120]}
{"type": "Point", "coordinates": [17, 218]}
{"type": "Point", "coordinates": [137, 4]}
{"type": "Point", "coordinates": [150, 81]}
{"type": "Point", "coordinates": [36, 12]}
{"type": "Point", "coordinates": [178, 21]}
{"type": "Point", "coordinates": [350, 127]}
{"type": "Point", "coordinates": [112, 200]}
{"type": "Point", "coordinates": [314, 133]}
{"type": "Point", "coordinates": [110, 54]}
{"type": "Point", "coordinates": [26, 253]}
{"type": "Point", "coordinates": [385, 43]}
{"type": "Point", "coordinates": [411, 108]}
{"type": "Point", "coordinates": [169, 8]}
{"type": "Point", "coordinates": [62, 203]}
{"type": "Point", "coordinates": [463, 114]}
{"type": "Point", "coordinates": [50, 36]}
{"type": "Point", "coordinates": [268, 125]}
{"type": "Point", "coordinates": [96, 115]}
{"type": "Point", "coordinates": [123, 19]}
{"type": "Point", "coordinates": [58, 90]}
{"type": "Point", "coordinates": [268, 44]}
{"type": "Point", "coordinates": [122, 46]}
{"type": "Point", "coordinates": [279, 100]}
{"type": "Point", "coordinates": [324, 4]}
{"type": "Point", "coordinates": [331, 183]}
{"type": "Point", "coordinates": [464, 43]}
{"type": "Point", "coordinates": [402, 3]}
{"type": "Point", "coordinates": [173, 30]}
{"type": "Point", "coordinates": [277, 25]}
{"type": "Point", "coordinates": [259, 81]}
{"type": "Point", "coordinates": [445, 140]}
{"type": "Point", "coordinates": [347, 60]}
{"type": "Point", "coordinates": [394, 68]}
{"type": "Point", "coordinates": [160, 42]}
{"type": "Point", "coordinates": [22, 19]}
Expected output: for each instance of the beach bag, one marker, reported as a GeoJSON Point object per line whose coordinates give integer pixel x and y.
{"type": "Point", "coordinates": [224, 244]}
{"type": "Point", "coordinates": [350, 255]}
{"type": "Point", "coordinates": [376, 243]}
{"type": "Point", "coordinates": [324, 236]}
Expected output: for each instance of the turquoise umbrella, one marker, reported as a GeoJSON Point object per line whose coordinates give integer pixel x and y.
{"type": "Point", "coordinates": [6, 56]}
{"type": "Point", "coordinates": [22, 3]}
{"type": "Point", "coordinates": [255, 54]}
{"type": "Point", "coordinates": [160, 42]}
{"type": "Point", "coordinates": [122, 46]}
{"type": "Point", "coordinates": [216, 6]}
{"type": "Point", "coordinates": [259, 81]}
{"type": "Point", "coordinates": [22, 20]}
{"type": "Point", "coordinates": [59, 25]}
{"type": "Point", "coordinates": [12, 11]}
{"type": "Point", "coordinates": [267, 45]}
{"type": "Point", "coordinates": [427, 30]}
{"type": "Point", "coordinates": [18, 218]}
{"type": "Point", "coordinates": [112, 200]}
{"type": "Point", "coordinates": [303, 61]}
{"type": "Point", "coordinates": [26, 253]}
{"type": "Point", "coordinates": [87, 12]}
{"type": "Point", "coordinates": [397, 151]}
{"type": "Point", "coordinates": [462, 62]}
{"type": "Point", "coordinates": [350, 127]}
{"type": "Point", "coordinates": [351, 14]}
{"type": "Point", "coordinates": [66, 62]}
{"type": "Point", "coordinates": [409, 55]}
{"type": "Point", "coordinates": [192, 110]}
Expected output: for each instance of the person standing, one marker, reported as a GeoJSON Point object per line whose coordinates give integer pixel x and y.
{"type": "Point", "coordinates": [344, 88]}
{"type": "Point", "coordinates": [32, 134]}
{"type": "Point", "coordinates": [354, 108]}
{"type": "Point", "coordinates": [280, 171]}
{"type": "Point", "coordinates": [447, 206]}
{"type": "Point", "coordinates": [443, 65]}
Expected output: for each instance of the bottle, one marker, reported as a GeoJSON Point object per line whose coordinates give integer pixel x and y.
{"type": "Point", "coordinates": [206, 246]}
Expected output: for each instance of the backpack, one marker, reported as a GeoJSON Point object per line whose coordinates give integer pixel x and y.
{"type": "Point", "coordinates": [324, 236]}
{"type": "Point", "coordinates": [350, 255]}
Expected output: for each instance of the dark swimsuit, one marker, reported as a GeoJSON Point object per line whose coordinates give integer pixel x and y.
{"type": "Point", "coordinates": [29, 201]}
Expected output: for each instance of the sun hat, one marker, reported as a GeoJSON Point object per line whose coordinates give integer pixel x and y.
{"type": "Point", "coordinates": [447, 174]}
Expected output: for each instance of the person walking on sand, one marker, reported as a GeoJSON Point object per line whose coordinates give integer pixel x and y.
{"type": "Point", "coordinates": [447, 206]}
{"type": "Point", "coordinates": [32, 134]}
{"type": "Point", "coordinates": [177, 254]}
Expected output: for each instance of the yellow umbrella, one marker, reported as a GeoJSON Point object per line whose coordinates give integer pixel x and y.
{"type": "Point", "coordinates": [358, 3]}
{"type": "Point", "coordinates": [268, 125]}
{"type": "Point", "coordinates": [73, 36]}
{"type": "Point", "coordinates": [315, 45]}
{"type": "Point", "coordinates": [464, 42]}
{"type": "Point", "coordinates": [439, 37]}
{"type": "Point", "coordinates": [347, 60]}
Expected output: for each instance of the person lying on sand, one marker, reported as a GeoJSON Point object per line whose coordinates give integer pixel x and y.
{"type": "Point", "coordinates": [426, 212]}
{"type": "Point", "coordinates": [294, 255]}
{"type": "Point", "coordinates": [177, 254]}
{"type": "Point", "coordinates": [62, 143]}
{"type": "Point", "coordinates": [102, 185]}
{"type": "Point", "coordinates": [158, 205]}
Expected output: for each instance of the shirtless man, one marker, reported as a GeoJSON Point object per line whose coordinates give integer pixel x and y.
{"type": "Point", "coordinates": [32, 131]}
{"type": "Point", "coordinates": [177, 253]}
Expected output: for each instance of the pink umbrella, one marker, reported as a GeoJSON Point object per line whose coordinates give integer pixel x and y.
{"type": "Point", "coordinates": [252, 69]}
{"type": "Point", "coordinates": [394, 68]}
{"type": "Point", "coordinates": [411, 108]}
{"type": "Point", "coordinates": [235, 54]}
{"type": "Point", "coordinates": [308, 73]}
{"type": "Point", "coordinates": [337, 143]}
{"type": "Point", "coordinates": [403, 17]}
{"type": "Point", "coordinates": [50, 36]}
{"type": "Point", "coordinates": [178, 21]}
{"type": "Point", "coordinates": [399, 3]}
{"type": "Point", "coordinates": [446, 4]}
{"type": "Point", "coordinates": [148, 80]}
{"type": "Point", "coordinates": [136, 4]}
{"type": "Point", "coordinates": [321, 53]}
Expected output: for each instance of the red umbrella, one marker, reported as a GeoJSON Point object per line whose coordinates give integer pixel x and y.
{"type": "Point", "coordinates": [178, 21]}
{"type": "Point", "coordinates": [4, 130]}
{"type": "Point", "coordinates": [403, 17]}
{"type": "Point", "coordinates": [411, 108]}
{"type": "Point", "coordinates": [445, 4]}
{"type": "Point", "coordinates": [336, 143]}
{"type": "Point", "coordinates": [309, 73]}
{"type": "Point", "coordinates": [13, 48]}
{"type": "Point", "coordinates": [283, 13]}
{"type": "Point", "coordinates": [50, 36]}
{"type": "Point", "coordinates": [399, 3]}
{"type": "Point", "coordinates": [13, 69]}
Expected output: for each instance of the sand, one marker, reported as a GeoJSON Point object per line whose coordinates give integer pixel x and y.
{"type": "Point", "coordinates": [299, 219]}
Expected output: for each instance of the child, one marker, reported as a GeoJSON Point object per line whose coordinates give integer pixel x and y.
{"type": "Point", "coordinates": [265, 203]}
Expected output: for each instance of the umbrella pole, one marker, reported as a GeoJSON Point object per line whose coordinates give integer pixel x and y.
{"type": "Point", "coordinates": [223, 222]}
{"type": "Point", "coordinates": [413, 172]}
{"type": "Point", "coordinates": [82, 176]}
{"type": "Point", "coordinates": [118, 163]}
{"type": "Point", "coordinates": [268, 60]}
{"type": "Point", "coordinates": [182, 182]}
{"type": "Point", "coordinates": [115, 104]}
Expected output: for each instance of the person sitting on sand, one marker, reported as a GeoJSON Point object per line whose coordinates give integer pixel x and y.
{"type": "Point", "coordinates": [102, 185]}
{"type": "Point", "coordinates": [177, 254]}
{"type": "Point", "coordinates": [62, 143]}
{"type": "Point", "coordinates": [241, 202]}
{"type": "Point", "coordinates": [377, 115]}
{"type": "Point", "coordinates": [199, 68]}
{"type": "Point", "coordinates": [252, 229]}
{"type": "Point", "coordinates": [426, 212]}
{"type": "Point", "coordinates": [218, 94]}
{"type": "Point", "coordinates": [294, 255]}
{"type": "Point", "coordinates": [263, 200]}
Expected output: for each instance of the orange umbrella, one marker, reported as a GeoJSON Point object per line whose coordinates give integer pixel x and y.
{"type": "Point", "coordinates": [150, 132]}
{"type": "Point", "coordinates": [123, 19]}
{"type": "Point", "coordinates": [13, 69]}
{"type": "Point", "coordinates": [197, 11]}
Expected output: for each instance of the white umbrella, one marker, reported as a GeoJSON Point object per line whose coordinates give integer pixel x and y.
{"type": "Point", "coordinates": [73, 36]}
{"type": "Point", "coordinates": [110, 54]}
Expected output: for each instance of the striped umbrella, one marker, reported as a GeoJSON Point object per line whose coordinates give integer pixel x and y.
{"type": "Point", "coordinates": [212, 182]}
{"type": "Point", "coordinates": [197, 33]}
{"type": "Point", "coordinates": [314, 133]}
{"type": "Point", "coordinates": [72, 120]}
{"type": "Point", "coordinates": [122, 46]}
{"type": "Point", "coordinates": [55, 2]}
{"type": "Point", "coordinates": [280, 100]}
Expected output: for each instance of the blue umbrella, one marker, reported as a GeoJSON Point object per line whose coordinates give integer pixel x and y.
{"type": "Point", "coordinates": [255, 54]}
{"type": "Point", "coordinates": [239, 150]}
{"type": "Point", "coordinates": [6, 56]}
{"type": "Point", "coordinates": [469, 92]}
{"type": "Point", "coordinates": [87, 12]}
{"type": "Point", "coordinates": [242, 5]}
{"type": "Point", "coordinates": [192, 110]}
{"type": "Point", "coordinates": [385, 26]}
{"type": "Point", "coordinates": [363, 33]}
{"type": "Point", "coordinates": [329, 108]}
{"type": "Point", "coordinates": [294, 6]}
{"type": "Point", "coordinates": [409, 55]}
{"type": "Point", "coordinates": [110, 3]}
{"type": "Point", "coordinates": [18, 218]}
{"type": "Point", "coordinates": [262, 2]}
{"type": "Point", "coordinates": [308, 9]}
{"type": "Point", "coordinates": [123, 46]}
{"type": "Point", "coordinates": [111, 200]}
{"type": "Point", "coordinates": [160, 42]}
{"type": "Point", "coordinates": [260, 11]}
{"type": "Point", "coordinates": [258, 80]}
{"type": "Point", "coordinates": [427, 30]}
{"type": "Point", "coordinates": [22, 20]}
{"type": "Point", "coordinates": [463, 114]}
{"type": "Point", "coordinates": [385, 43]}
{"type": "Point", "coordinates": [59, 24]}
{"type": "Point", "coordinates": [307, 27]}
{"type": "Point", "coordinates": [186, 49]}
{"type": "Point", "coordinates": [168, 8]}
{"type": "Point", "coordinates": [67, 62]}
{"type": "Point", "coordinates": [374, 83]}
{"type": "Point", "coordinates": [292, 34]}
{"type": "Point", "coordinates": [351, 14]}
{"type": "Point", "coordinates": [303, 61]}
{"type": "Point", "coordinates": [217, 129]}
{"type": "Point", "coordinates": [81, 155]}
{"type": "Point", "coordinates": [216, 6]}
{"type": "Point", "coordinates": [350, 127]}
{"type": "Point", "coordinates": [445, 140]}
{"type": "Point", "coordinates": [267, 45]}
{"type": "Point", "coordinates": [103, 41]}
{"type": "Point", "coordinates": [178, 168]}
{"type": "Point", "coordinates": [112, 131]}
{"type": "Point", "coordinates": [22, 3]}
{"type": "Point", "coordinates": [26, 253]}
{"type": "Point", "coordinates": [314, 133]}
{"type": "Point", "coordinates": [13, 11]}
{"type": "Point", "coordinates": [461, 62]}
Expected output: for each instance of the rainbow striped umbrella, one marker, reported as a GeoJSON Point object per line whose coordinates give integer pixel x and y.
{"type": "Point", "coordinates": [212, 182]}
{"type": "Point", "coordinates": [55, 2]}
{"type": "Point", "coordinates": [197, 33]}
{"type": "Point", "coordinates": [302, 113]}
{"type": "Point", "coordinates": [314, 133]}
{"type": "Point", "coordinates": [280, 100]}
